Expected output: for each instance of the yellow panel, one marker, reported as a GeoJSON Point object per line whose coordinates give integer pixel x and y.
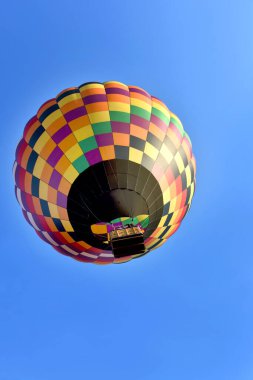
{"type": "Point", "coordinates": [180, 162]}
{"type": "Point", "coordinates": [163, 182]}
{"type": "Point", "coordinates": [91, 85]}
{"type": "Point", "coordinates": [73, 153]}
{"type": "Point", "coordinates": [142, 217]}
{"type": "Point", "coordinates": [166, 196]}
{"type": "Point", "coordinates": [43, 190]}
{"type": "Point", "coordinates": [188, 176]}
{"type": "Point", "coordinates": [174, 217]}
{"type": "Point", "coordinates": [167, 234]}
{"type": "Point", "coordinates": [69, 98]}
{"type": "Point", "coordinates": [39, 166]}
{"type": "Point", "coordinates": [114, 82]}
{"type": "Point", "coordinates": [158, 232]}
{"type": "Point", "coordinates": [53, 210]}
{"type": "Point", "coordinates": [162, 221]}
{"type": "Point", "coordinates": [70, 174]}
{"type": "Point", "coordinates": [141, 104]}
{"type": "Point", "coordinates": [51, 118]}
{"type": "Point", "coordinates": [83, 133]}
{"type": "Point", "coordinates": [135, 155]}
{"type": "Point", "coordinates": [166, 153]}
{"type": "Point", "coordinates": [151, 151]}
{"type": "Point", "coordinates": [41, 142]}
{"type": "Point", "coordinates": [67, 225]}
{"type": "Point", "coordinates": [118, 106]}
{"type": "Point", "coordinates": [160, 107]}
{"type": "Point", "coordinates": [192, 192]}
{"type": "Point", "coordinates": [98, 117]}
{"type": "Point", "coordinates": [173, 204]}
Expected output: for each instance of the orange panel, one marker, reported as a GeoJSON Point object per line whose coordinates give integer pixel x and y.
{"type": "Point", "coordinates": [121, 139]}
{"type": "Point", "coordinates": [107, 152]}
{"type": "Point", "coordinates": [78, 123]}
{"type": "Point", "coordinates": [158, 132]}
{"type": "Point", "coordinates": [48, 149]}
{"type": "Point", "coordinates": [118, 98]}
{"type": "Point", "coordinates": [37, 206]}
{"type": "Point", "coordinates": [96, 107]}
{"type": "Point", "coordinates": [62, 165]}
{"type": "Point", "coordinates": [138, 131]}
{"type": "Point", "coordinates": [56, 125]}
{"type": "Point", "coordinates": [51, 224]}
{"type": "Point", "coordinates": [72, 105]}
{"type": "Point", "coordinates": [64, 186]}
{"type": "Point", "coordinates": [63, 213]}
{"type": "Point", "coordinates": [28, 183]}
{"type": "Point", "coordinates": [46, 173]}
{"type": "Point", "coordinates": [52, 195]}
{"type": "Point", "coordinates": [67, 143]}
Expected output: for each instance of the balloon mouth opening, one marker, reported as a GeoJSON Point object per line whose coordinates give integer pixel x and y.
{"type": "Point", "coordinates": [112, 194]}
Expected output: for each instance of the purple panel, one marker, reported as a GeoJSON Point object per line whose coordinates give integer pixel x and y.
{"type": "Point", "coordinates": [55, 179]}
{"type": "Point", "coordinates": [115, 90]}
{"type": "Point", "coordinates": [61, 134]}
{"type": "Point", "coordinates": [176, 131]}
{"type": "Point", "coordinates": [159, 123]}
{"type": "Point", "coordinates": [139, 91]}
{"type": "Point", "coordinates": [55, 156]}
{"type": "Point", "coordinates": [26, 217]}
{"type": "Point", "coordinates": [42, 236]}
{"type": "Point", "coordinates": [137, 120]}
{"type": "Point", "coordinates": [93, 156]}
{"type": "Point", "coordinates": [24, 202]}
{"type": "Point", "coordinates": [56, 237]}
{"type": "Point", "coordinates": [61, 199]}
{"type": "Point", "coordinates": [19, 176]}
{"type": "Point", "coordinates": [118, 126]}
{"type": "Point", "coordinates": [74, 114]}
{"type": "Point", "coordinates": [95, 98]}
{"type": "Point", "coordinates": [104, 139]}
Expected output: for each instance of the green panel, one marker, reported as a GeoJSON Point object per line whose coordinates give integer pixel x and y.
{"type": "Point", "coordinates": [187, 137]}
{"type": "Point", "coordinates": [160, 114]}
{"type": "Point", "coordinates": [145, 223]}
{"type": "Point", "coordinates": [127, 221]}
{"type": "Point", "coordinates": [81, 164]}
{"type": "Point", "coordinates": [140, 112]}
{"type": "Point", "coordinates": [104, 127]}
{"type": "Point", "coordinates": [88, 144]}
{"type": "Point", "coordinates": [178, 125]}
{"type": "Point", "coordinates": [120, 116]}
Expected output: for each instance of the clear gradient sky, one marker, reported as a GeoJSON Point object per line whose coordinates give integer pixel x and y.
{"type": "Point", "coordinates": [185, 311]}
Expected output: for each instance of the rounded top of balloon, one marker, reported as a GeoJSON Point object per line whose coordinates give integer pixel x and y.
{"type": "Point", "coordinates": [104, 172]}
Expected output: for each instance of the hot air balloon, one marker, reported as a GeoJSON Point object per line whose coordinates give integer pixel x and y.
{"type": "Point", "coordinates": [104, 172]}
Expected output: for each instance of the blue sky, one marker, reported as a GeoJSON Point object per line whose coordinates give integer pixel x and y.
{"type": "Point", "coordinates": [185, 311]}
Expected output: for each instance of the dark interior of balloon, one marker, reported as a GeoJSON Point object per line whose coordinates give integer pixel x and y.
{"type": "Point", "coordinates": [109, 193]}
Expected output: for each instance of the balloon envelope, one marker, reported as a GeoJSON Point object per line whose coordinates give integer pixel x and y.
{"type": "Point", "coordinates": [99, 155]}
